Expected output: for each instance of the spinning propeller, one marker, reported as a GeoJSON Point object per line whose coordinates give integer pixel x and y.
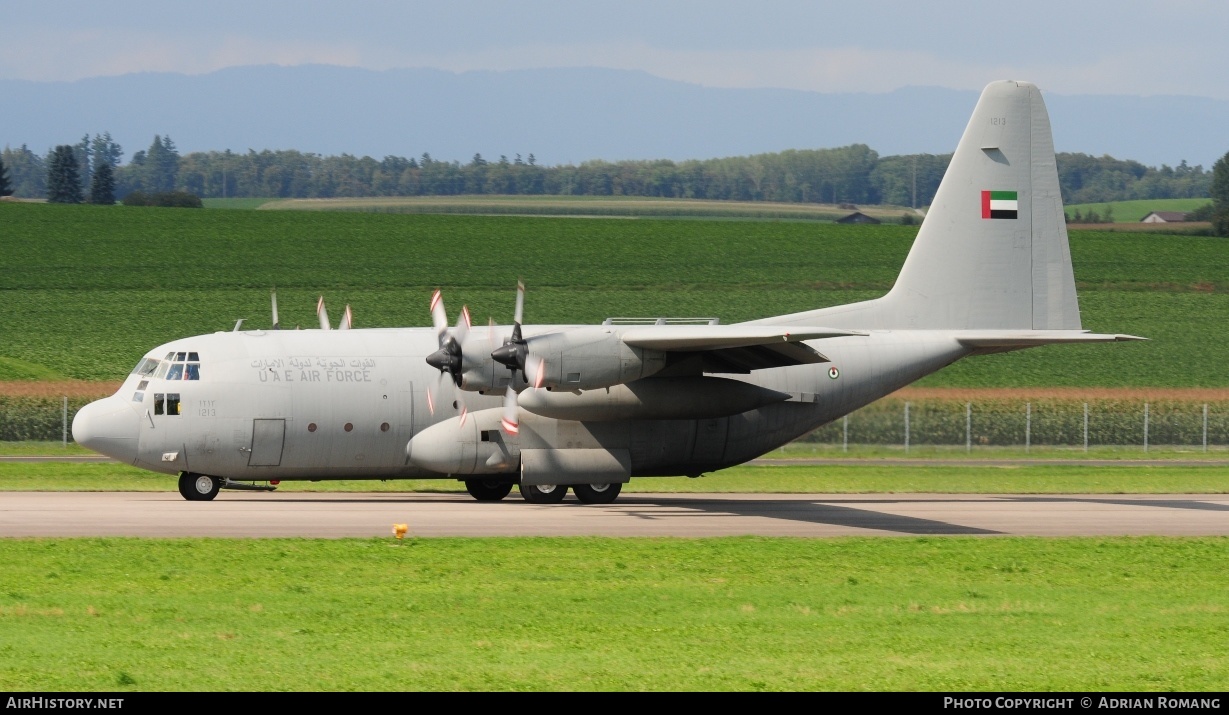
{"type": "Point", "coordinates": [449, 358]}
{"type": "Point", "coordinates": [514, 353]}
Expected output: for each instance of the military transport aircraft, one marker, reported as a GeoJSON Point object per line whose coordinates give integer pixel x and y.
{"type": "Point", "coordinates": [548, 408]}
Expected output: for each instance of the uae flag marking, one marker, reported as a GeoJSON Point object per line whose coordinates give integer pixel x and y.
{"type": "Point", "coordinates": [999, 204]}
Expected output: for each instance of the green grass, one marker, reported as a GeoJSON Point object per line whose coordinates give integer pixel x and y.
{"type": "Point", "coordinates": [89, 289]}
{"type": "Point", "coordinates": [1133, 211]}
{"type": "Point", "coordinates": [731, 614]}
{"type": "Point", "coordinates": [43, 449]}
{"type": "Point", "coordinates": [14, 369]}
{"type": "Point", "coordinates": [868, 477]}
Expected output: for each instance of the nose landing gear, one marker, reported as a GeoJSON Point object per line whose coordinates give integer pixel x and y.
{"type": "Point", "coordinates": [198, 487]}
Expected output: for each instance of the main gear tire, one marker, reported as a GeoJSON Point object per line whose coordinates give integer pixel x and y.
{"type": "Point", "coordinates": [544, 493]}
{"type": "Point", "coordinates": [597, 493]}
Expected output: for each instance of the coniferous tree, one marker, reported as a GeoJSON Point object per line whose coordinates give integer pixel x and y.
{"type": "Point", "coordinates": [85, 163]}
{"type": "Point", "coordinates": [6, 189]}
{"type": "Point", "coordinates": [1220, 196]}
{"type": "Point", "coordinates": [102, 187]}
{"type": "Point", "coordinates": [161, 165]}
{"type": "Point", "coordinates": [63, 180]}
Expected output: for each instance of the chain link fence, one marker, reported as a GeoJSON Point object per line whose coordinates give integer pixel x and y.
{"type": "Point", "coordinates": [1027, 424]}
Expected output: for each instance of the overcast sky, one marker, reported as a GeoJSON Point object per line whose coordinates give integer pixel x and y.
{"type": "Point", "coordinates": [1136, 47]}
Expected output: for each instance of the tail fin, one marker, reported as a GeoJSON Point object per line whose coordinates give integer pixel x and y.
{"type": "Point", "coordinates": [992, 252]}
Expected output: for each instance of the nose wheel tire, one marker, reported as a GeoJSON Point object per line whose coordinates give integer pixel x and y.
{"type": "Point", "coordinates": [544, 493]}
{"type": "Point", "coordinates": [597, 493]}
{"type": "Point", "coordinates": [198, 487]}
{"type": "Point", "coordinates": [487, 489]}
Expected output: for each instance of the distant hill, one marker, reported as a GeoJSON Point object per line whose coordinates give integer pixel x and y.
{"type": "Point", "coordinates": [562, 116]}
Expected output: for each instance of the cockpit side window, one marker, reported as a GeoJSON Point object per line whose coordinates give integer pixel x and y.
{"type": "Point", "coordinates": [193, 371]}
{"type": "Point", "coordinates": [146, 367]}
{"type": "Point", "coordinates": [176, 372]}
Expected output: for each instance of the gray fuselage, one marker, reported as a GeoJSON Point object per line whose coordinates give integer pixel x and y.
{"type": "Point", "coordinates": [314, 404]}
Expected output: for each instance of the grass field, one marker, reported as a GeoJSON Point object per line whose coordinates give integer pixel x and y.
{"type": "Point", "coordinates": [1133, 211]}
{"type": "Point", "coordinates": [89, 289]}
{"type": "Point", "coordinates": [962, 614]}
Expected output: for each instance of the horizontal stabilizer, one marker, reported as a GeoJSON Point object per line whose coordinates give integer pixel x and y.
{"type": "Point", "coordinates": [1033, 338]}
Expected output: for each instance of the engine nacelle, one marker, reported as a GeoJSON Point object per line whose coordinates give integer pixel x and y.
{"type": "Point", "coordinates": [657, 398]}
{"type": "Point", "coordinates": [591, 358]}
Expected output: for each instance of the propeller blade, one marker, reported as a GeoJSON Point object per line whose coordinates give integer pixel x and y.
{"type": "Point", "coordinates": [276, 323]}
{"type": "Point", "coordinates": [460, 403]}
{"type": "Point", "coordinates": [438, 317]}
{"type": "Point", "coordinates": [322, 314]}
{"type": "Point", "coordinates": [511, 419]}
{"type": "Point", "coordinates": [518, 315]}
{"type": "Point", "coordinates": [463, 325]}
{"type": "Point", "coordinates": [430, 402]}
{"type": "Point", "coordinates": [535, 371]}
{"type": "Point", "coordinates": [347, 319]}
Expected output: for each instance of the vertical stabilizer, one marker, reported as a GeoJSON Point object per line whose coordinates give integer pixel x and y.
{"type": "Point", "coordinates": [992, 252]}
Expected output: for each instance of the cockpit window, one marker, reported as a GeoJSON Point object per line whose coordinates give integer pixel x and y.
{"type": "Point", "coordinates": [146, 367]}
{"type": "Point", "coordinates": [179, 366]}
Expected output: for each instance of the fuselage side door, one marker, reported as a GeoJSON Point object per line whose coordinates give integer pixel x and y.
{"type": "Point", "coordinates": [268, 439]}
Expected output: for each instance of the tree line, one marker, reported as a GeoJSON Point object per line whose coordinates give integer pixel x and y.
{"type": "Point", "coordinates": [853, 174]}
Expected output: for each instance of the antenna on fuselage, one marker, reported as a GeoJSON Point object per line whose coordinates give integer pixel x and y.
{"type": "Point", "coordinates": [273, 298]}
{"type": "Point", "coordinates": [238, 323]}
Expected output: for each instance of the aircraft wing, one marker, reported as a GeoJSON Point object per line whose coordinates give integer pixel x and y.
{"type": "Point", "coordinates": [734, 348]}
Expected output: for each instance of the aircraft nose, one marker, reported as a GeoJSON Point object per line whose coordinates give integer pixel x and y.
{"type": "Point", "coordinates": [109, 426]}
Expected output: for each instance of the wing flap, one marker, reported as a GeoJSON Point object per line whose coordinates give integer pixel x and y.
{"type": "Point", "coordinates": [689, 338]}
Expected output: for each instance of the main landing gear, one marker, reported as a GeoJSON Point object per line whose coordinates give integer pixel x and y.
{"type": "Point", "coordinates": [198, 487]}
{"type": "Point", "coordinates": [586, 493]}
{"type": "Point", "coordinates": [488, 489]}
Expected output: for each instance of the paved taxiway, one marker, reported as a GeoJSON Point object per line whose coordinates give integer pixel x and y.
{"type": "Point", "coordinates": [316, 515]}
